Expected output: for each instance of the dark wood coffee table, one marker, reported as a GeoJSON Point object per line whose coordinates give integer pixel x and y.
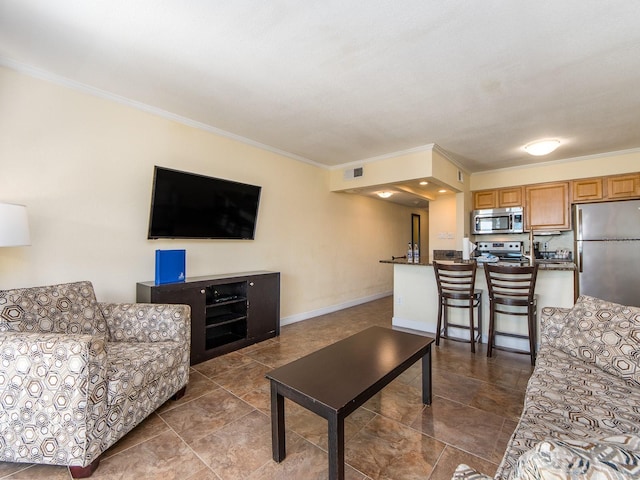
{"type": "Point", "coordinates": [334, 381]}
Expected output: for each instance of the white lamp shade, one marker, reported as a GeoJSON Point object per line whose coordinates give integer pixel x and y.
{"type": "Point", "coordinates": [14, 226]}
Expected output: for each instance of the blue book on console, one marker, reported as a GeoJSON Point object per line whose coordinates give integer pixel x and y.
{"type": "Point", "coordinates": [170, 266]}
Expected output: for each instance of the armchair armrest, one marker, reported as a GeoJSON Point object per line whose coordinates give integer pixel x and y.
{"type": "Point", "coordinates": [53, 392]}
{"type": "Point", "coordinates": [147, 322]}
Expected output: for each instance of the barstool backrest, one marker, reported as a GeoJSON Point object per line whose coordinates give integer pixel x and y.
{"type": "Point", "coordinates": [455, 280]}
{"type": "Point", "coordinates": [509, 285]}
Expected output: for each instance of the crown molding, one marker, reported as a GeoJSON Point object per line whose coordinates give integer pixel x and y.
{"type": "Point", "coordinates": [96, 92]}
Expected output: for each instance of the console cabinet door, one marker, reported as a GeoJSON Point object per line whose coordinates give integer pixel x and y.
{"type": "Point", "coordinates": [263, 306]}
{"type": "Point", "coordinates": [547, 206]}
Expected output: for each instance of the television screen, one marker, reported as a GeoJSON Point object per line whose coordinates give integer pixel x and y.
{"type": "Point", "coordinates": [187, 205]}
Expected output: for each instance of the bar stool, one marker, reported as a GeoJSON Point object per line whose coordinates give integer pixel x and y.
{"type": "Point", "coordinates": [511, 292]}
{"type": "Point", "coordinates": [456, 289]}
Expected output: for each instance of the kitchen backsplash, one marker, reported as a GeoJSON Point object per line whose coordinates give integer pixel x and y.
{"type": "Point", "coordinates": [447, 255]}
{"type": "Point", "coordinates": [563, 241]}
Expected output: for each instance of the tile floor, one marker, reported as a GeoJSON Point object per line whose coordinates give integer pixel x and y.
{"type": "Point", "coordinates": [220, 430]}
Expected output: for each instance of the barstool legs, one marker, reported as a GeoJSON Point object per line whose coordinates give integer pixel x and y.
{"type": "Point", "coordinates": [442, 325]}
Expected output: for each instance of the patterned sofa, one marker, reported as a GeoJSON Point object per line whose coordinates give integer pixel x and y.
{"type": "Point", "coordinates": [77, 375]}
{"type": "Point", "coordinates": [581, 416]}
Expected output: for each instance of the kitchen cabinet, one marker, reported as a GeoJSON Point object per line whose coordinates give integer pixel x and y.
{"type": "Point", "coordinates": [623, 186]}
{"type": "Point", "coordinates": [485, 199]}
{"type": "Point", "coordinates": [228, 312]}
{"type": "Point", "coordinates": [547, 206]}
{"type": "Point", "coordinates": [503, 197]}
{"type": "Point", "coordinates": [598, 189]}
{"type": "Point", "coordinates": [587, 190]}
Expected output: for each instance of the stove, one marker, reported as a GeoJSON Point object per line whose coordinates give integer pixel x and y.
{"type": "Point", "coordinates": [508, 253]}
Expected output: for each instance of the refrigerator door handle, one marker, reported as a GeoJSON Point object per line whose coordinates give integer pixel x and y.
{"type": "Point", "coordinates": [579, 223]}
{"type": "Point", "coordinates": [579, 256]}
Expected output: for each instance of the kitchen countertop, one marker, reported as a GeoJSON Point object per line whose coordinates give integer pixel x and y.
{"type": "Point", "coordinates": [543, 265]}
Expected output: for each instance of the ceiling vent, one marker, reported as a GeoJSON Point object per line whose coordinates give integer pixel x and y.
{"type": "Point", "coordinates": [351, 173]}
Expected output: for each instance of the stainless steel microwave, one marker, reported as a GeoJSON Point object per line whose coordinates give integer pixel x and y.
{"type": "Point", "coordinates": [497, 220]}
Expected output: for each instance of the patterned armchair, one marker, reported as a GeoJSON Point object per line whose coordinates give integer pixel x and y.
{"type": "Point", "coordinates": [77, 375]}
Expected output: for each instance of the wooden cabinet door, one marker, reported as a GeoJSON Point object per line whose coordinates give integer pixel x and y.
{"type": "Point", "coordinates": [485, 199]}
{"type": "Point", "coordinates": [547, 207]}
{"type": "Point", "coordinates": [587, 190]}
{"type": "Point", "coordinates": [623, 186]}
{"type": "Point", "coordinates": [263, 309]}
{"type": "Point", "coordinates": [510, 197]}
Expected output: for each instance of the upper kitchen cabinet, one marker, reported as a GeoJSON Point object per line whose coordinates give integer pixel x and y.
{"type": "Point", "coordinates": [587, 190]}
{"type": "Point", "coordinates": [504, 197]}
{"type": "Point", "coordinates": [623, 186]}
{"type": "Point", "coordinates": [547, 206]}
{"type": "Point", "coordinates": [600, 189]}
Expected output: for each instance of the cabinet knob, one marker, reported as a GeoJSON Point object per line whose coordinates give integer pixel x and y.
{"type": "Point", "coordinates": [251, 284]}
{"type": "Point", "coordinates": [202, 291]}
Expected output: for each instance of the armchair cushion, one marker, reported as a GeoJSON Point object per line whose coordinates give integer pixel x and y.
{"type": "Point", "coordinates": [67, 308]}
{"type": "Point", "coordinates": [603, 334]}
{"type": "Point", "coordinates": [131, 370]}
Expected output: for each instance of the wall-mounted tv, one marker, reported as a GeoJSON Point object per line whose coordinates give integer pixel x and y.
{"type": "Point", "coordinates": [187, 205]}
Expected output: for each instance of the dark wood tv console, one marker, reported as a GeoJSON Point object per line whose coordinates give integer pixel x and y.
{"type": "Point", "coordinates": [228, 311]}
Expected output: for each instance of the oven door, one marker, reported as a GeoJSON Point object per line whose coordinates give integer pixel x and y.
{"type": "Point", "coordinates": [494, 223]}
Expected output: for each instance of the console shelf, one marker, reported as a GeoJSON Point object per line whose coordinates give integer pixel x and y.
{"type": "Point", "coordinates": [228, 312]}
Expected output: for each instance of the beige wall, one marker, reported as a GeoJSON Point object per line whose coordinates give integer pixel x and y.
{"type": "Point", "coordinates": [386, 170]}
{"type": "Point", "coordinates": [83, 165]}
{"type": "Point", "coordinates": [585, 167]}
{"type": "Point", "coordinates": [443, 223]}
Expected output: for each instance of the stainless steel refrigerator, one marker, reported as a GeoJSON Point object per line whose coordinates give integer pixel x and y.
{"type": "Point", "coordinates": [607, 237]}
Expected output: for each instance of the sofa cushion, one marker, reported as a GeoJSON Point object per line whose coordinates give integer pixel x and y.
{"type": "Point", "coordinates": [604, 334]}
{"type": "Point", "coordinates": [465, 472]}
{"type": "Point", "coordinates": [132, 366]}
{"type": "Point", "coordinates": [568, 399]}
{"type": "Point", "coordinates": [609, 458]}
{"type": "Point", "coordinates": [69, 308]}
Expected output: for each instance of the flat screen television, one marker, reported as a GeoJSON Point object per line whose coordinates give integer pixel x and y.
{"type": "Point", "coordinates": [187, 205]}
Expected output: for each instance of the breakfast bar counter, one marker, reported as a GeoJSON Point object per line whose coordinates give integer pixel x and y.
{"type": "Point", "coordinates": [415, 298]}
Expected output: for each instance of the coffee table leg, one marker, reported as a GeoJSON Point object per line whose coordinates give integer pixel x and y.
{"type": "Point", "coordinates": [336, 447]}
{"type": "Point", "coordinates": [426, 377]}
{"type": "Point", "coordinates": [277, 424]}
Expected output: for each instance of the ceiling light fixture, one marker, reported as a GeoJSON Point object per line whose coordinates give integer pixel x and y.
{"type": "Point", "coordinates": [442, 190]}
{"type": "Point", "coordinates": [385, 194]}
{"type": "Point", "coordinates": [542, 147]}
{"type": "Point", "coordinates": [424, 183]}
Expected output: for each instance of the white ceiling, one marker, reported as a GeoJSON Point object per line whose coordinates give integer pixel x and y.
{"type": "Point", "coordinates": [335, 81]}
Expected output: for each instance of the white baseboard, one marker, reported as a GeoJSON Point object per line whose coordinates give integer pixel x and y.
{"type": "Point", "coordinates": [299, 317]}
{"type": "Point", "coordinates": [411, 324]}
